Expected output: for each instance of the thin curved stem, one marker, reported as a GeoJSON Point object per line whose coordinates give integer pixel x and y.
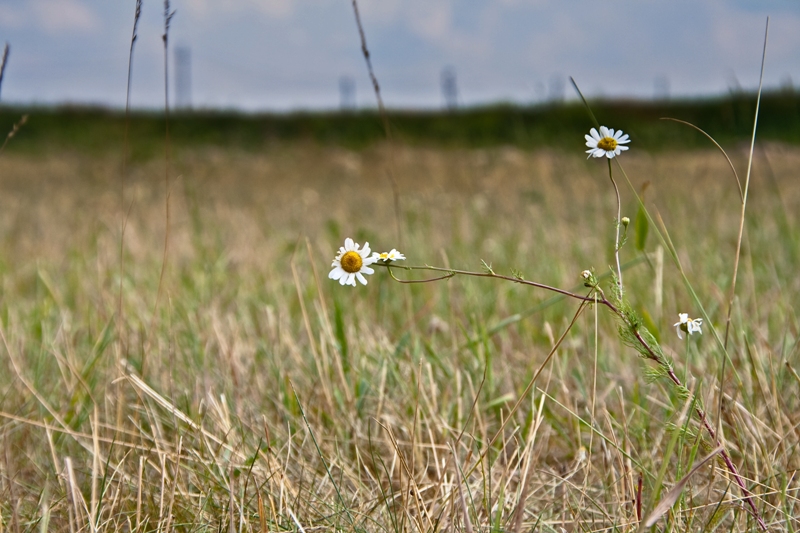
{"type": "Point", "coordinates": [409, 281]}
{"type": "Point", "coordinates": [452, 272]}
{"type": "Point", "coordinates": [616, 227]}
{"type": "Point", "coordinates": [721, 149]}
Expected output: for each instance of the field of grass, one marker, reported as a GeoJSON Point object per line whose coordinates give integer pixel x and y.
{"type": "Point", "coordinates": [251, 393]}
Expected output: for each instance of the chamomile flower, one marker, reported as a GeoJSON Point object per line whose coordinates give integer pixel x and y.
{"type": "Point", "coordinates": [588, 278]}
{"type": "Point", "coordinates": [386, 257]}
{"type": "Point", "coordinates": [606, 143]}
{"type": "Point", "coordinates": [351, 263]}
{"type": "Point", "coordinates": [689, 325]}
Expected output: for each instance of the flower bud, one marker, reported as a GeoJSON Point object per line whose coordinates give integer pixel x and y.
{"type": "Point", "coordinates": [625, 221]}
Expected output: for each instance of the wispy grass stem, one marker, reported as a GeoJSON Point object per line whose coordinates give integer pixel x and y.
{"type": "Point", "coordinates": [746, 189]}
{"type": "Point", "coordinates": [168, 14]}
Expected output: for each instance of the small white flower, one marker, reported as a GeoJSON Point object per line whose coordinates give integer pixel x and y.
{"type": "Point", "coordinates": [586, 274]}
{"type": "Point", "coordinates": [606, 143]}
{"type": "Point", "coordinates": [394, 255]}
{"type": "Point", "coordinates": [352, 263]}
{"type": "Point", "coordinates": [689, 325]}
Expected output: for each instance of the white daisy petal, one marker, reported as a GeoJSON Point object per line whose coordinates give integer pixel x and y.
{"type": "Point", "coordinates": [352, 262]}
{"type": "Point", "coordinates": [689, 325]}
{"type": "Point", "coordinates": [607, 142]}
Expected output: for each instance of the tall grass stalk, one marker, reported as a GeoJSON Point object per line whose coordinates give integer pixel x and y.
{"type": "Point", "coordinates": [168, 14]}
{"type": "Point", "coordinates": [3, 62]}
{"type": "Point", "coordinates": [746, 188]}
{"type": "Point", "coordinates": [384, 120]}
{"type": "Point", "coordinates": [123, 212]}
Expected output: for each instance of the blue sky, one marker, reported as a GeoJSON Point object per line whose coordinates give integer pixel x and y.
{"type": "Point", "coordinates": [284, 54]}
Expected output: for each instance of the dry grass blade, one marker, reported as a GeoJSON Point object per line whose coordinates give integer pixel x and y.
{"type": "Point", "coordinates": [674, 493]}
{"type": "Point", "coordinates": [459, 479]}
{"type": "Point", "coordinates": [14, 131]}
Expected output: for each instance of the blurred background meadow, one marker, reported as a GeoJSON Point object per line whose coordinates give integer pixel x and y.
{"type": "Point", "coordinates": [174, 357]}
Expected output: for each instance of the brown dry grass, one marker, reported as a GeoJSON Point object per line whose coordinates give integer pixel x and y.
{"type": "Point", "coordinates": [190, 421]}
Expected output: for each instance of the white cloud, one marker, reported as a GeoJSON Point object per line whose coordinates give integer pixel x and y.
{"type": "Point", "coordinates": [431, 20]}
{"type": "Point", "coordinates": [58, 16]}
{"type": "Point", "coordinates": [276, 9]}
{"type": "Point", "coordinates": [12, 16]}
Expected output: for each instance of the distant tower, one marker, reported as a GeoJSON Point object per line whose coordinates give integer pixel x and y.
{"type": "Point", "coordinates": [183, 77]}
{"type": "Point", "coordinates": [661, 88]}
{"type": "Point", "coordinates": [787, 85]}
{"type": "Point", "coordinates": [734, 87]}
{"type": "Point", "coordinates": [556, 89]}
{"type": "Point", "coordinates": [449, 88]}
{"type": "Point", "coordinates": [347, 93]}
{"type": "Point", "coordinates": [539, 91]}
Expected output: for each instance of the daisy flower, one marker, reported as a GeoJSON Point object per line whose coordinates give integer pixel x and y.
{"type": "Point", "coordinates": [689, 325]}
{"type": "Point", "coordinates": [606, 143]}
{"type": "Point", "coordinates": [352, 263]}
{"type": "Point", "coordinates": [394, 255]}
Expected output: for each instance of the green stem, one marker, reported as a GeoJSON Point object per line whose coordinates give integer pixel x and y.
{"type": "Point", "coordinates": [616, 228]}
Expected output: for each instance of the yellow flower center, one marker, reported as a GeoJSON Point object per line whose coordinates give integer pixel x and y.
{"type": "Point", "coordinates": [351, 262]}
{"type": "Point", "coordinates": [609, 144]}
